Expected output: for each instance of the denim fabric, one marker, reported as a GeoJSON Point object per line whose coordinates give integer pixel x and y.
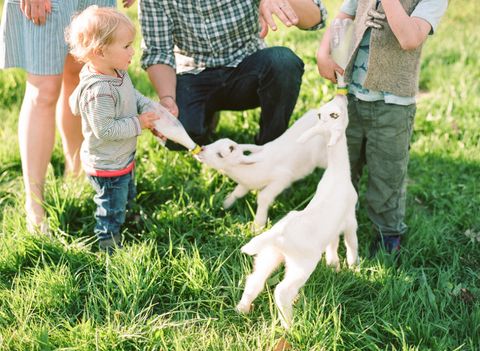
{"type": "Point", "coordinates": [378, 136]}
{"type": "Point", "coordinates": [269, 78]}
{"type": "Point", "coordinates": [115, 195]}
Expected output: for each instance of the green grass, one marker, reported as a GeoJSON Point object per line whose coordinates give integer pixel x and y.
{"type": "Point", "coordinates": [177, 282]}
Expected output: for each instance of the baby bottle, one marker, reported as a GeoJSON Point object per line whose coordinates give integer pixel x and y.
{"type": "Point", "coordinates": [341, 46]}
{"type": "Point", "coordinates": [171, 127]}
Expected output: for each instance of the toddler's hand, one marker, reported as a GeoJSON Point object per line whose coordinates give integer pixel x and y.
{"type": "Point", "coordinates": [146, 120]}
{"type": "Point", "coordinates": [158, 134]}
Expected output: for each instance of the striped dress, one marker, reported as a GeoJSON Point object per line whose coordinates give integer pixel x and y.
{"type": "Point", "coordinates": [39, 49]}
{"type": "Point", "coordinates": [109, 107]}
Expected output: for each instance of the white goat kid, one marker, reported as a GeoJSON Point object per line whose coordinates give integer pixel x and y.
{"type": "Point", "coordinates": [301, 237]}
{"type": "Point", "coordinates": [269, 168]}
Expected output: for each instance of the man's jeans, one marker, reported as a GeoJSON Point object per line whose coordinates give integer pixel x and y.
{"type": "Point", "coordinates": [269, 78]}
{"type": "Point", "coordinates": [115, 195]}
{"type": "Point", "coordinates": [378, 136]}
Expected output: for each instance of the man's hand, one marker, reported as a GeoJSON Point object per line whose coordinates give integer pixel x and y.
{"type": "Point", "coordinates": [281, 8]}
{"type": "Point", "coordinates": [36, 10]}
{"type": "Point", "coordinates": [170, 104]}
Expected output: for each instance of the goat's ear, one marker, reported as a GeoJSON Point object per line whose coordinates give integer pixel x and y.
{"type": "Point", "coordinates": [336, 135]}
{"type": "Point", "coordinates": [248, 160]}
{"type": "Point", "coordinates": [250, 147]}
{"type": "Point", "coordinates": [307, 135]}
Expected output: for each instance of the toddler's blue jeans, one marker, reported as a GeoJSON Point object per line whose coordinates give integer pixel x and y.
{"type": "Point", "coordinates": [269, 79]}
{"type": "Point", "coordinates": [115, 195]}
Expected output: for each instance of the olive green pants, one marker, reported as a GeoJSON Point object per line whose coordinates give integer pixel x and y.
{"type": "Point", "coordinates": [378, 136]}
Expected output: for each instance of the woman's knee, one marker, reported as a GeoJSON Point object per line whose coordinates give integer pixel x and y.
{"type": "Point", "coordinates": [43, 90]}
{"type": "Point", "coordinates": [71, 73]}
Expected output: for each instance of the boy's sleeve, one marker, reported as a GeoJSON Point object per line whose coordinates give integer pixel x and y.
{"type": "Point", "coordinates": [157, 42]}
{"type": "Point", "coordinates": [143, 103]}
{"type": "Point", "coordinates": [324, 14]}
{"type": "Point", "coordinates": [431, 11]}
{"type": "Point", "coordinates": [99, 110]}
{"type": "Point", "coordinates": [349, 7]}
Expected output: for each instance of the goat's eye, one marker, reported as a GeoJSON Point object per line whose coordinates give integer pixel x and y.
{"type": "Point", "coordinates": [334, 115]}
{"type": "Point", "coordinates": [219, 155]}
{"type": "Point", "coordinates": [232, 148]}
{"type": "Point", "coordinates": [319, 116]}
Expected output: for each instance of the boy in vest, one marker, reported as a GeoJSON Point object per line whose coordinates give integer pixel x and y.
{"type": "Point", "coordinates": [382, 75]}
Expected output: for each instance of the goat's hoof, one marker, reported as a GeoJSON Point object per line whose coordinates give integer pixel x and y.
{"type": "Point", "coordinates": [256, 228]}
{"type": "Point", "coordinates": [285, 324]}
{"type": "Point", "coordinates": [355, 264]}
{"type": "Point", "coordinates": [295, 301]}
{"type": "Point", "coordinates": [335, 265]}
{"type": "Point", "coordinates": [244, 309]}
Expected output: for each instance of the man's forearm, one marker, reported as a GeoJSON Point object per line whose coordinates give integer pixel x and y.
{"type": "Point", "coordinates": [308, 13]}
{"type": "Point", "coordinates": [163, 79]}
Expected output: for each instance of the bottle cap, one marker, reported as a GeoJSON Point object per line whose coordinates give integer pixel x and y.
{"type": "Point", "coordinates": [195, 150]}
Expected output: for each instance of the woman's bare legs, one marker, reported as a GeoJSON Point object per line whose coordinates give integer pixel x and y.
{"type": "Point", "coordinates": [36, 134]}
{"type": "Point", "coordinates": [36, 129]}
{"type": "Point", "coordinates": [70, 126]}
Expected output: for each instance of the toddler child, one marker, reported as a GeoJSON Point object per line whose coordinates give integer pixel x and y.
{"type": "Point", "coordinates": [383, 74]}
{"type": "Point", "coordinates": [113, 114]}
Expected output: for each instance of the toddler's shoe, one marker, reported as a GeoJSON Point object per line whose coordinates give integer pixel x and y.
{"type": "Point", "coordinates": [112, 250]}
{"type": "Point", "coordinates": [111, 245]}
{"type": "Point", "coordinates": [391, 245]}
{"type": "Point", "coordinates": [136, 218]}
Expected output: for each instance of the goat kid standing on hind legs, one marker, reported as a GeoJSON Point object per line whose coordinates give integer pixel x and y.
{"type": "Point", "coordinates": [301, 237]}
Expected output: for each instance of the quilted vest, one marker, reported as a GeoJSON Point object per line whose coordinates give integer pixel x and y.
{"type": "Point", "coordinates": [391, 69]}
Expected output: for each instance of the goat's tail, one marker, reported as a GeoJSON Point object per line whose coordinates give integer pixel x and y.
{"type": "Point", "coordinates": [268, 238]}
{"type": "Point", "coordinates": [260, 242]}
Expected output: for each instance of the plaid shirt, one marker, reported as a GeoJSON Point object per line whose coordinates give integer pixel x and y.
{"type": "Point", "coordinates": [191, 35]}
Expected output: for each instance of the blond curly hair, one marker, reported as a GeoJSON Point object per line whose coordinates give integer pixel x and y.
{"type": "Point", "coordinates": [94, 28]}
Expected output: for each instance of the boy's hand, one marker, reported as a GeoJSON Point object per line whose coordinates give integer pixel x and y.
{"type": "Point", "coordinates": [376, 19]}
{"type": "Point", "coordinates": [146, 120]}
{"type": "Point", "coordinates": [327, 67]}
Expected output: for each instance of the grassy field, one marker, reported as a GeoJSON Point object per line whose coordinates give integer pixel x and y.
{"type": "Point", "coordinates": [176, 284]}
